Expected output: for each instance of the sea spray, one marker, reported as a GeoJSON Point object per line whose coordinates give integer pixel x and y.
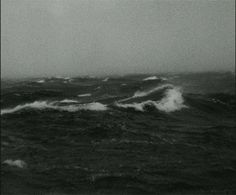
{"type": "Point", "coordinates": [172, 101]}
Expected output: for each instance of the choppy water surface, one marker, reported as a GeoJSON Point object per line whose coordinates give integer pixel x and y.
{"type": "Point", "coordinates": [137, 134]}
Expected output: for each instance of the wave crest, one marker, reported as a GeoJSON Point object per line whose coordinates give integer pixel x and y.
{"type": "Point", "coordinates": [150, 78]}
{"type": "Point", "coordinates": [148, 92]}
{"type": "Point", "coordinates": [138, 94]}
{"type": "Point", "coordinates": [172, 101]}
{"type": "Point", "coordinates": [41, 105]}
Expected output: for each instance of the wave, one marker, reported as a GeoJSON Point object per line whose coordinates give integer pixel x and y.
{"type": "Point", "coordinates": [15, 163]}
{"type": "Point", "coordinates": [34, 105]}
{"type": "Point", "coordinates": [172, 101]}
{"type": "Point", "coordinates": [68, 101]}
{"type": "Point", "coordinates": [41, 81]}
{"type": "Point", "coordinates": [148, 92]}
{"type": "Point", "coordinates": [150, 78]}
{"type": "Point", "coordinates": [106, 79]}
{"type": "Point", "coordinates": [84, 95]}
{"type": "Point", "coordinates": [42, 105]}
{"type": "Point", "coordinates": [138, 94]}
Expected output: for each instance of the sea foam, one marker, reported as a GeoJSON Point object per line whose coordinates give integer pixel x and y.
{"type": "Point", "coordinates": [147, 92]}
{"type": "Point", "coordinates": [84, 95]}
{"type": "Point", "coordinates": [68, 101]}
{"type": "Point", "coordinates": [106, 79]}
{"type": "Point", "coordinates": [150, 91]}
{"type": "Point", "coordinates": [42, 105]}
{"type": "Point", "coordinates": [172, 101]}
{"type": "Point", "coordinates": [150, 78]}
{"type": "Point", "coordinates": [15, 163]}
{"type": "Point", "coordinates": [35, 105]}
{"type": "Point", "coordinates": [41, 81]}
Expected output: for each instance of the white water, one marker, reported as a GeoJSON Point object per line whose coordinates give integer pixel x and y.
{"type": "Point", "coordinates": [68, 101]}
{"type": "Point", "coordinates": [84, 95]}
{"type": "Point", "coordinates": [42, 105]}
{"type": "Point", "coordinates": [150, 91]}
{"type": "Point", "coordinates": [147, 92]}
{"type": "Point", "coordinates": [155, 78]}
{"type": "Point", "coordinates": [41, 81]}
{"type": "Point", "coordinates": [106, 79]}
{"type": "Point", "coordinates": [35, 105]}
{"type": "Point", "coordinates": [172, 101]}
{"type": "Point", "coordinates": [150, 78]}
{"type": "Point", "coordinates": [15, 163]}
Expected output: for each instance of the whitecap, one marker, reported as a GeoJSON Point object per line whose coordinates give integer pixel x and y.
{"type": "Point", "coordinates": [150, 78]}
{"type": "Point", "coordinates": [147, 92]}
{"type": "Point", "coordinates": [68, 101]}
{"type": "Point", "coordinates": [42, 105]}
{"type": "Point", "coordinates": [136, 106]}
{"type": "Point", "coordinates": [150, 91]}
{"type": "Point", "coordinates": [106, 79]}
{"type": "Point", "coordinates": [96, 106]}
{"type": "Point", "coordinates": [41, 81]}
{"type": "Point", "coordinates": [15, 163]}
{"type": "Point", "coordinates": [84, 95]}
{"type": "Point", "coordinates": [172, 101]}
{"type": "Point", "coordinates": [36, 105]}
{"type": "Point", "coordinates": [164, 78]}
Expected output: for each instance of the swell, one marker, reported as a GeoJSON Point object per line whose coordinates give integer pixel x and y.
{"type": "Point", "coordinates": [172, 101]}
{"type": "Point", "coordinates": [165, 98]}
{"type": "Point", "coordinates": [212, 103]}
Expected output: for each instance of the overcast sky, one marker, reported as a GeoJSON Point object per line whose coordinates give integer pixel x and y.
{"type": "Point", "coordinates": [96, 37]}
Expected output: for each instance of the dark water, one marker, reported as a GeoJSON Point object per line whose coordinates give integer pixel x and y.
{"type": "Point", "coordinates": [174, 134]}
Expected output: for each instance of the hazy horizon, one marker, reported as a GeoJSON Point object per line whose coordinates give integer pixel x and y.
{"type": "Point", "coordinates": [116, 37]}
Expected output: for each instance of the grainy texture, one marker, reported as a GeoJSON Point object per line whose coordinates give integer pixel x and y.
{"type": "Point", "coordinates": [191, 150]}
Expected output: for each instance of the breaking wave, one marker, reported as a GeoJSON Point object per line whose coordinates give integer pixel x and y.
{"type": "Point", "coordinates": [150, 78]}
{"type": "Point", "coordinates": [15, 163]}
{"type": "Point", "coordinates": [106, 79]}
{"type": "Point", "coordinates": [147, 92]}
{"type": "Point", "coordinates": [172, 101]}
{"type": "Point", "coordinates": [84, 95]}
{"type": "Point", "coordinates": [41, 81]}
{"type": "Point", "coordinates": [41, 105]}
{"type": "Point", "coordinates": [68, 101]}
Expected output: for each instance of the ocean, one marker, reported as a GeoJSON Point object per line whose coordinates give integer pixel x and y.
{"type": "Point", "coordinates": [133, 134]}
